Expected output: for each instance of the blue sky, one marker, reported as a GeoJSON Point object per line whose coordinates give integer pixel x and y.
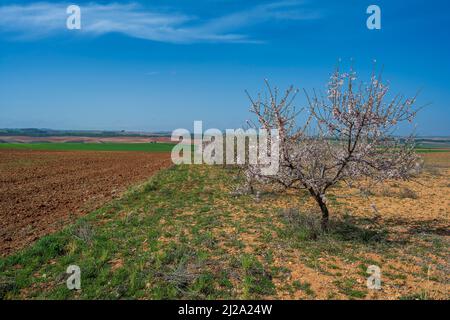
{"type": "Point", "coordinates": [160, 65]}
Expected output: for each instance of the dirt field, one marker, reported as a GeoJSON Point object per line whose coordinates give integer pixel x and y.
{"type": "Point", "coordinates": [41, 191]}
{"type": "Point", "coordinates": [415, 216]}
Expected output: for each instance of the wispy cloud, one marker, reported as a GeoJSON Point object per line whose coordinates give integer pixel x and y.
{"type": "Point", "coordinates": [152, 73]}
{"type": "Point", "coordinates": [40, 20]}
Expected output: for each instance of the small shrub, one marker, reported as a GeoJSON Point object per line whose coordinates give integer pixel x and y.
{"type": "Point", "coordinates": [83, 231]}
{"type": "Point", "coordinates": [180, 276]}
{"type": "Point", "coordinates": [306, 225]}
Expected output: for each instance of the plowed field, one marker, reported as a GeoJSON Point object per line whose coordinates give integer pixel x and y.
{"type": "Point", "coordinates": [42, 191]}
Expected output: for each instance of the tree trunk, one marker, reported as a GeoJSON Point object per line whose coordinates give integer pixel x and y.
{"type": "Point", "coordinates": [325, 214]}
{"type": "Point", "coordinates": [323, 208]}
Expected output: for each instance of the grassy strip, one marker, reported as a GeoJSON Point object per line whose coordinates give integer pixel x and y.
{"type": "Point", "coordinates": [420, 150]}
{"type": "Point", "coordinates": [112, 146]}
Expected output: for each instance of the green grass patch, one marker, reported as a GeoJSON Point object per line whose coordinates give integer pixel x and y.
{"type": "Point", "coordinates": [347, 287]}
{"type": "Point", "coordinates": [420, 150]}
{"type": "Point", "coordinates": [303, 286]}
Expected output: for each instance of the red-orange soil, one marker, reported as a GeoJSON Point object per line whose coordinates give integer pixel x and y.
{"type": "Point", "coordinates": [42, 191]}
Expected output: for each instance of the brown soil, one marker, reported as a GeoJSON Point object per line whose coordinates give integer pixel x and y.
{"type": "Point", "coordinates": [42, 191]}
{"type": "Point", "coordinates": [406, 219]}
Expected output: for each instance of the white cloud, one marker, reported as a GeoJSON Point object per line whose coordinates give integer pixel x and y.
{"type": "Point", "coordinates": [39, 20]}
{"type": "Point", "coordinates": [152, 73]}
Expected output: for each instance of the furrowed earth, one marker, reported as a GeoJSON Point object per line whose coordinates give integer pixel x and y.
{"type": "Point", "coordinates": [42, 191]}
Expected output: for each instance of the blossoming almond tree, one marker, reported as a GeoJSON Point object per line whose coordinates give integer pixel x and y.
{"type": "Point", "coordinates": [347, 137]}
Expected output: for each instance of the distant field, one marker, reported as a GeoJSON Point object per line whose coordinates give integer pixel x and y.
{"type": "Point", "coordinates": [147, 147]}
{"type": "Point", "coordinates": [114, 146]}
{"type": "Point", "coordinates": [430, 150]}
